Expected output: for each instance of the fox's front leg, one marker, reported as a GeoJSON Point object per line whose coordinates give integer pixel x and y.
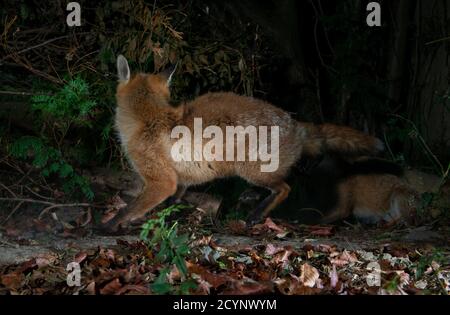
{"type": "Point", "coordinates": [156, 190]}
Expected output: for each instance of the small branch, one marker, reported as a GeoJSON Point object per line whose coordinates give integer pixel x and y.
{"type": "Point", "coordinates": [40, 45]}
{"type": "Point", "coordinates": [388, 146]}
{"type": "Point", "coordinates": [51, 205]}
{"type": "Point", "coordinates": [36, 194]}
{"type": "Point", "coordinates": [438, 40]}
{"type": "Point", "coordinates": [12, 212]}
{"type": "Point", "coordinates": [9, 190]}
{"type": "Point", "coordinates": [17, 93]}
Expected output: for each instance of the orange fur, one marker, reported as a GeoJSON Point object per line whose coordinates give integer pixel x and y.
{"type": "Point", "coordinates": [144, 121]}
{"type": "Point", "coordinates": [375, 198]}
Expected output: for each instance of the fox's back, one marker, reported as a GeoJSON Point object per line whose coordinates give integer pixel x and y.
{"type": "Point", "coordinates": [237, 110]}
{"type": "Point", "coordinates": [229, 109]}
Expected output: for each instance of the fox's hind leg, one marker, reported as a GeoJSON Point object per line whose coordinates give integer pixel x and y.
{"type": "Point", "coordinates": [279, 193]}
{"type": "Point", "coordinates": [176, 198]}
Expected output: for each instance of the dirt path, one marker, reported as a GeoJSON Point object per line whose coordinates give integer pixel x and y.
{"type": "Point", "coordinates": [14, 252]}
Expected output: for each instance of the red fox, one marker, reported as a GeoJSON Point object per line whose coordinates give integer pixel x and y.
{"type": "Point", "coordinates": [374, 191]}
{"type": "Point", "coordinates": [144, 120]}
{"type": "Point", "coordinates": [376, 199]}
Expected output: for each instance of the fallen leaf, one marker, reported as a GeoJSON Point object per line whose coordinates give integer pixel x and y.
{"type": "Point", "coordinates": [283, 258]}
{"type": "Point", "coordinates": [13, 280]}
{"type": "Point", "coordinates": [80, 257]}
{"type": "Point", "coordinates": [203, 241]}
{"type": "Point", "coordinates": [91, 288]}
{"type": "Point", "coordinates": [334, 278]}
{"type": "Point", "coordinates": [344, 258]}
{"type": "Point", "coordinates": [113, 207]}
{"type": "Point", "coordinates": [421, 284]}
{"type": "Point", "coordinates": [249, 287]}
{"type": "Point", "coordinates": [133, 289]}
{"type": "Point", "coordinates": [321, 230]}
{"type": "Point", "coordinates": [43, 261]}
{"type": "Point", "coordinates": [215, 280]}
{"type": "Point", "coordinates": [174, 275]}
{"type": "Point", "coordinates": [308, 275]}
{"type": "Point", "coordinates": [271, 225]}
{"type": "Point", "coordinates": [111, 287]}
{"type": "Point", "coordinates": [272, 249]}
{"type": "Point", "coordinates": [403, 277]}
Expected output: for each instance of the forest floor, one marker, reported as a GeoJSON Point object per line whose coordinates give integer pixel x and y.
{"type": "Point", "coordinates": [275, 256]}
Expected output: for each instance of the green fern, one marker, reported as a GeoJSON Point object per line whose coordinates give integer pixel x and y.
{"type": "Point", "coordinates": [50, 161]}
{"type": "Point", "coordinates": [72, 104]}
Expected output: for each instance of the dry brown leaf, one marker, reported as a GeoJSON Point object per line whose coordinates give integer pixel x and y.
{"type": "Point", "coordinates": [272, 250]}
{"type": "Point", "coordinates": [309, 275]}
{"type": "Point", "coordinates": [249, 287]}
{"type": "Point", "coordinates": [215, 280]}
{"type": "Point", "coordinates": [203, 241]}
{"type": "Point", "coordinates": [174, 275]}
{"type": "Point", "coordinates": [91, 288]}
{"type": "Point", "coordinates": [321, 230]}
{"type": "Point", "coordinates": [111, 287]}
{"type": "Point", "coordinates": [271, 225]}
{"type": "Point", "coordinates": [343, 259]}
{"type": "Point", "coordinates": [13, 280]}
{"type": "Point", "coordinates": [80, 257]}
{"type": "Point", "coordinates": [113, 207]}
{"type": "Point", "coordinates": [133, 289]}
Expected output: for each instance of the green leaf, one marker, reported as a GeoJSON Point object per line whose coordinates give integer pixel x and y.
{"type": "Point", "coordinates": [181, 264]}
{"type": "Point", "coordinates": [161, 288]}
{"type": "Point", "coordinates": [65, 170]}
{"type": "Point", "coordinates": [188, 285]}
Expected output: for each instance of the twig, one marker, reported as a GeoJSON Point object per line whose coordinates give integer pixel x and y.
{"type": "Point", "coordinates": [17, 93]}
{"type": "Point", "coordinates": [9, 244]}
{"type": "Point", "coordinates": [319, 99]}
{"type": "Point", "coordinates": [25, 175]}
{"type": "Point", "coordinates": [12, 212]}
{"type": "Point", "coordinates": [388, 146]}
{"type": "Point", "coordinates": [39, 45]}
{"type": "Point", "coordinates": [51, 205]}
{"type": "Point", "coordinates": [36, 194]}
{"type": "Point", "coordinates": [438, 40]}
{"type": "Point", "coordinates": [9, 190]}
{"type": "Point", "coordinates": [316, 39]}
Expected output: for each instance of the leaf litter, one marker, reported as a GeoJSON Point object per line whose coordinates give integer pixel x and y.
{"type": "Point", "coordinates": [283, 259]}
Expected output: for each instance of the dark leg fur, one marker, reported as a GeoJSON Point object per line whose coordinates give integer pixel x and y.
{"type": "Point", "coordinates": [278, 195]}
{"type": "Point", "coordinates": [176, 198]}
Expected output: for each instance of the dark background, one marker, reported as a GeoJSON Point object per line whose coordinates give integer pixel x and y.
{"type": "Point", "coordinates": [316, 59]}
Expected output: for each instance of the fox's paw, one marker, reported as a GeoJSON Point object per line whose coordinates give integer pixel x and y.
{"type": "Point", "coordinates": [254, 219]}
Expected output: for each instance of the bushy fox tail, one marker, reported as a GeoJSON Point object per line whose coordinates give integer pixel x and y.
{"type": "Point", "coordinates": [329, 138]}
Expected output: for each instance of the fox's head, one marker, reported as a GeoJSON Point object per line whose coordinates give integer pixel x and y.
{"type": "Point", "coordinates": [142, 87]}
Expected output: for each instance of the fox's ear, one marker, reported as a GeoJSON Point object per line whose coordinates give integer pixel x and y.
{"type": "Point", "coordinates": [123, 70]}
{"type": "Point", "coordinates": [168, 74]}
